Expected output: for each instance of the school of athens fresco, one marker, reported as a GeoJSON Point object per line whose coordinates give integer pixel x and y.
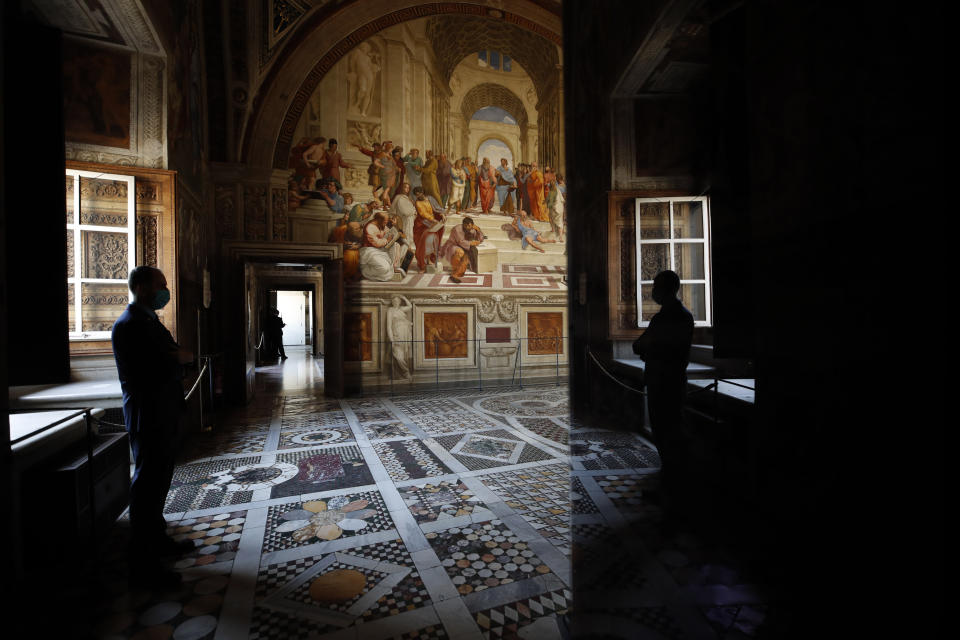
{"type": "Point", "coordinates": [431, 171]}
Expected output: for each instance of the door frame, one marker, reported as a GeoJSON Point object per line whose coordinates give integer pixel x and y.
{"type": "Point", "coordinates": [240, 338]}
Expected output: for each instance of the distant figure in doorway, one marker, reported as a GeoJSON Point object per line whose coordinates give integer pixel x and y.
{"type": "Point", "coordinates": [665, 350]}
{"type": "Point", "coordinates": [274, 331]}
{"type": "Point", "coordinates": [150, 367]}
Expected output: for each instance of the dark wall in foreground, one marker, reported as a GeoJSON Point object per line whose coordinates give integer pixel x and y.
{"type": "Point", "coordinates": [33, 194]}
{"type": "Point", "coordinates": [837, 184]}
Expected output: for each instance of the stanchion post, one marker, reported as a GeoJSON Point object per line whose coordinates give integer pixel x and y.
{"type": "Point", "coordinates": [436, 360]}
{"type": "Point", "coordinates": [556, 349]}
{"type": "Point", "coordinates": [476, 354]}
{"type": "Point", "coordinates": [520, 358]}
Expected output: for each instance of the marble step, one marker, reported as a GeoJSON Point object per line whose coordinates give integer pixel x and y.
{"type": "Point", "coordinates": [506, 244]}
{"type": "Point", "coordinates": [492, 222]}
{"type": "Point", "coordinates": [531, 256]}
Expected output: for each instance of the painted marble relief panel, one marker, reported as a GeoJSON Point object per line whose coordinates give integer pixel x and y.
{"type": "Point", "coordinates": [96, 95]}
{"type": "Point", "coordinates": [545, 333]}
{"type": "Point", "coordinates": [445, 335]}
{"type": "Point", "coordinates": [358, 337]}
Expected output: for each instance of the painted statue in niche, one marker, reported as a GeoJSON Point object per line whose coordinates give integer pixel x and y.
{"type": "Point", "coordinates": [96, 95]}
{"type": "Point", "coordinates": [399, 335]}
{"type": "Point", "coordinates": [363, 134]}
{"type": "Point", "coordinates": [544, 333]}
{"type": "Point", "coordinates": [358, 337]}
{"type": "Point", "coordinates": [445, 335]}
{"type": "Point", "coordinates": [362, 70]}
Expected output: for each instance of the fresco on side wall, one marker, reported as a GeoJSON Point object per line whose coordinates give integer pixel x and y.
{"type": "Point", "coordinates": [431, 182]}
{"type": "Point", "coordinates": [96, 95]}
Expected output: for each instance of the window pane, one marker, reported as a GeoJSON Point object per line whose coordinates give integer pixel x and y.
{"type": "Point", "coordinates": [71, 312]}
{"type": "Point", "coordinates": [506, 63]}
{"type": "Point", "coordinates": [103, 202]}
{"type": "Point", "coordinates": [694, 297]}
{"type": "Point", "coordinates": [70, 254]}
{"type": "Point", "coordinates": [688, 260]}
{"type": "Point", "coordinates": [688, 219]}
{"type": "Point", "coordinates": [104, 255]}
{"type": "Point", "coordinates": [494, 59]}
{"type": "Point", "coordinates": [482, 58]}
{"type": "Point", "coordinates": [69, 199]}
{"type": "Point", "coordinates": [102, 304]}
{"type": "Point", "coordinates": [654, 258]}
{"type": "Point", "coordinates": [654, 220]}
{"type": "Point", "coordinates": [648, 308]}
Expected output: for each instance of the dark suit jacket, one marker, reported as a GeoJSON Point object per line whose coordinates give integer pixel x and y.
{"type": "Point", "coordinates": [665, 345]}
{"type": "Point", "coordinates": [150, 377]}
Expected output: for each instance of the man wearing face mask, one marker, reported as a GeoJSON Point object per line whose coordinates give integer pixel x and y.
{"type": "Point", "coordinates": [150, 366]}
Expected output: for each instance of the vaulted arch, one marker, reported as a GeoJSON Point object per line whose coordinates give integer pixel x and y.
{"type": "Point", "coordinates": [454, 38]}
{"type": "Point", "coordinates": [488, 135]}
{"type": "Point", "coordinates": [310, 53]}
{"type": "Point", "coordinates": [489, 94]}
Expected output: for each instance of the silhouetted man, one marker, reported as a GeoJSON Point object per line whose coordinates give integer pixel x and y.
{"type": "Point", "coordinates": [150, 366]}
{"type": "Point", "coordinates": [665, 350]}
{"type": "Point", "coordinates": [275, 325]}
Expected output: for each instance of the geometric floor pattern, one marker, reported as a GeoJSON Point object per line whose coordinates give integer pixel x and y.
{"type": "Point", "coordinates": [452, 514]}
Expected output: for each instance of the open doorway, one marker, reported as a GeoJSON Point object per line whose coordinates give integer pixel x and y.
{"type": "Point", "coordinates": [295, 308]}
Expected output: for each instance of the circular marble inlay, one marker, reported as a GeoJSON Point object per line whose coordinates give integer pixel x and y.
{"type": "Point", "coordinates": [195, 628]}
{"type": "Point", "coordinates": [291, 525]}
{"type": "Point", "coordinates": [254, 476]}
{"type": "Point", "coordinates": [159, 613]}
{"type": "Point", "coordinates": [202, 605]}
{"type": "Point", "coordinates": [315, 506]}
{"type": "Point", "coordinates": [156, 632]}
{"type": "Point", "coordinates": [210, 585]}
{"type": "Point", "coordinates": [297, 514]}
{"type": "Point", "coordinates": [524, 404]}
{"type": "Point", "coordinates": [337, 501]}
{"type": "Point", "coordinates": [323, 436]}
{"type": "Point", "coordinates": [339, 585]}
{"type": "Point", "coordinates": [352, 524]}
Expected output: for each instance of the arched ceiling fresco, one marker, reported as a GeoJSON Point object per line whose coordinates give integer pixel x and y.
{"type": "Point", "coordinates": [455, 37]}
{"type": "Point", "coordinates": [494, 95]}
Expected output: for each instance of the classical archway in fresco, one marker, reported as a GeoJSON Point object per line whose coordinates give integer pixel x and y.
{"type": "Point", "coordinates": [495, 147]}
{"type": "Point", "coordinates": [494, 95]}
{"type": "Point", "coordinates": [529, 33]}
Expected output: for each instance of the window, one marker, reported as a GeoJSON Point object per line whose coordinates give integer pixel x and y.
{"type": "Point", "coordinates": [494, 60]}
{"type": "Point", "coordinates": [673, 233]}
{"type": "Point", "coordinates": [101, 219]}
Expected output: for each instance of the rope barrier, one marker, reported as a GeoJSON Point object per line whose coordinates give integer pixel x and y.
{"type": "Point", "coordinates": [114, 425]}
{"type": "Point", "coordinates": [611, 376]}
{"type": "Point", "coordinates": [186, 398]}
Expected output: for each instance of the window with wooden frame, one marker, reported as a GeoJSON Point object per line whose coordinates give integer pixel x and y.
{"type": "Point", "coordinates": [117, 217]}
{"type": "Point", "coordinates": [673, 233]}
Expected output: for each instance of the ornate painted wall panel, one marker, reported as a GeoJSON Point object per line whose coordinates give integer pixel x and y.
{"type": "Point", "coordinates": [97, 100]}
{"type": "Point", "coordinates": [445, 335]}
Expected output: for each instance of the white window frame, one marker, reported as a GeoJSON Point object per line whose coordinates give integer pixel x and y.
{"type": "Point", "coordinates": [77, 230]}
{"type": "Point", "coordinates": [672, 242]}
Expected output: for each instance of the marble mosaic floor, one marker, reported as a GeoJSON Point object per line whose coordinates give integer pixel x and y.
{"type": "Point", "coordinates": [459, 514]}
